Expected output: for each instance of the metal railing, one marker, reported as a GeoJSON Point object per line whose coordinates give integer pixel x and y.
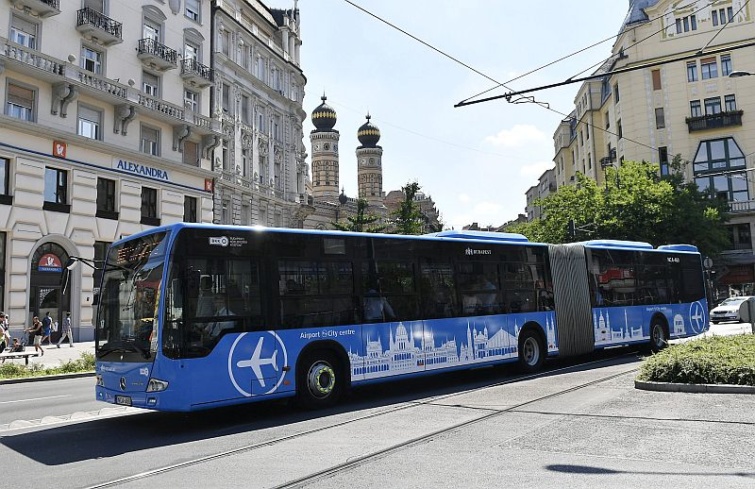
{"type": "Point", "coordinates": [150, 46]}
{"type": "Point", "coordinates": [714, 121]}
{"type": "Point", "coordinates": [192, 66]}
{"type": "Point", "coordinates": [89, 16]}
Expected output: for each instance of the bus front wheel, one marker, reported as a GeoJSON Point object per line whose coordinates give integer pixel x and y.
{"type": "Point", "coordinates": [531, 351]}
{"type": "Point", "coordinates": [658, 337]}
{"type": "Point", "coordinates": [319, 384]}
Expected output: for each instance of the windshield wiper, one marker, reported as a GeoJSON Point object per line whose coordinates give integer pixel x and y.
{"type": "Point", "coordinates": [122, 347]}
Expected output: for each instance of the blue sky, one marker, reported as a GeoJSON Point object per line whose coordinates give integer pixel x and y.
{"type": "Point", "coordinates": [477, 161]}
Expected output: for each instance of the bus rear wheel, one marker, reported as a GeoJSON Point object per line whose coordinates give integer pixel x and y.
{"type": "Point", "coordinates": [531, 351]}
{"type": "Point", "coordinates": [319, 382]}
{"type": "Point", "coordinates": [658, 337]}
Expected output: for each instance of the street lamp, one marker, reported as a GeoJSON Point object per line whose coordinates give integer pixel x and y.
{"type": "Point", "coordinates": [739, 74]}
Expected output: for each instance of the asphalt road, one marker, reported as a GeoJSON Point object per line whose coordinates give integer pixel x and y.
{"type": "Point", "coordinates": [575, 426]}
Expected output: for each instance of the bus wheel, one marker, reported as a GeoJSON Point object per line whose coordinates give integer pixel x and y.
{"type": "Point", "coordinates": [531, 351]}
{"type": "Point", "coordinates": [319, 385]}
{"type": "Point", "coordinates": [658, 339]}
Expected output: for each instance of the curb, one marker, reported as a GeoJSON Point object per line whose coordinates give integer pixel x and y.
{"type": "Point", "coordinates": [35, 378]}
{"type": "Point", "coordinates": [694, 388]}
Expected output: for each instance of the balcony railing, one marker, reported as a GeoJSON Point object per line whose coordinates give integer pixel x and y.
{"type": "Point", "coordinates": [195, 72]}
{"type": "Point", "coordinates": [714, 121]}
{"type": "Point", "coordinates": [98, 26]}
{"type": "Point", "coordinates": [31, 58]}
{"type": "Point", "coordinates": [742, 206]}
{"type": "Point", "coordinates": [40, 8]}
{"type": "Point", "coordinates": [156, 54]}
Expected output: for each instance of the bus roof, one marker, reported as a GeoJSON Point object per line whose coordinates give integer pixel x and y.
{"type": "Point", "coordinates": [484, 235]}
{"type": "Point", "coordinates": [637, 245]}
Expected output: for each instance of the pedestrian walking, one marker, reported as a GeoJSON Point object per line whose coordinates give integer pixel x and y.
{"type": "Point", "coordinates": [66, 332]}
{"type": "Point", "coordinates": [46, 327]}
{"type": "Point", "coordinates": [4, 332]}
{"type": "Point", "coordinates": [36, 330]}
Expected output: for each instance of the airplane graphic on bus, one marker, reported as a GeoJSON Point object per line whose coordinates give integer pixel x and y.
{"type": "Point", "coordinates": [256, 362]}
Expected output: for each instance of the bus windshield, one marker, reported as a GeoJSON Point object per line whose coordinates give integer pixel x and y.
{"type": "Point", "coordinates": [129, 296]}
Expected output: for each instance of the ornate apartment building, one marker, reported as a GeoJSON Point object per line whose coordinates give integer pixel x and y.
{"type": "Point", "coordinates": [260, 164]}
{"type": "Point", "coordinates": [105, 131]}
{"type": "Point", "coordinates": [676, 84]}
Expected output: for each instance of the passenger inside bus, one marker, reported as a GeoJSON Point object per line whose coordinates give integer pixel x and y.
{"type": "Point", "coordinates": [205, 301]}
{"type": "Point", "coordinates": [376, 307]}
{"type": "Point", "coordinates": [221, 311]}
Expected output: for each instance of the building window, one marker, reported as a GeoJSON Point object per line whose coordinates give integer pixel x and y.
{"type": "Point", "coordinates": [151, 84]}
{"type": "Point", "coordinates": [90, 123]}
{"type": "Point", "coordinates": [245, 109]}
{"type": "Point", "coordinates": [740, 236]}
{"type": "Point", "coordinates": [712, 105]}
{"type": "Point", "coordinates": [190, 209]}
{"type": "Point", "coordinates": [619, 130]}
{"type": "Point", "coordinates": [149, 207]}
{"type": "Point", "coordinates": [5, 197]}
{"type": "Point", "coordinates": [709, 68]}
{"type": "Point", "coordinates": [106, 199]}
{"type": "Point", "coordinates": [96, 5]}
{"type": "Point", "coordinates": [691, 71]}
{"type": "Point", "coordinates": [152, 30]}
{"type": "Point", "coordinates": [193, 10]}
{"type": "Point", "coordinates": [660, 119]}
{"type": "Point", "coordinates": [56, 190]}
{"type": "Point", "coordinates": [656, 79]}
{"type": "Point", "coordinates": [730, 103]}
{"type": "Point", "coordinates": [719, 165]}
{"type": "Point", "coordinates": [695, 109]}
{"type": "Point", "coordinates": [150, 141]}
{"type": "Point", "coordinates": [191, 153]}
{"type": "Point", "coordinates": [191, 52]}
{"type": "Point", "coordinates": [726, 65]}
{"type": "Point", "coordinates": [226, 98]}
{"type": "Point", "coordinates": [23, 32]}
{"type": "Point", "coordinates": [20, 102]}
{"type": "Point", "coordinates": [191, 100]}
{"type": "Point", "coordinates": [686, 24]}
{"type": "Point", "coordinates": [663, 161]}
{"type": "Point", "coordinates": [91, 60]}
{"type": "Point", "coordinates": [616, 93]}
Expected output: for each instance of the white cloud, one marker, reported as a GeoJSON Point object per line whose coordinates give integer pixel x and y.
{"type": "Point", "coordinates": [464, 198]}
{"type": "Point", "coordinates": [517, 136]}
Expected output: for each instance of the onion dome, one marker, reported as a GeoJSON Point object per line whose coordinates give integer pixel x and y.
{"type": "Point", "coordinates": [368, 134]}
{"type": "Point", "coordinates": [324, 117]}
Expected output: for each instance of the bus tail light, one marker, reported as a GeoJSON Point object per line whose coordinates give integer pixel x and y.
{"type": "Point", "coordinates": [99, 381]}
{"type": "Point", "coordinates": [156, 385]}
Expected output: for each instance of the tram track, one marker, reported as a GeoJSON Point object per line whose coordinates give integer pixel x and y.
{"type": "Point", "coordinates": [356, 461]}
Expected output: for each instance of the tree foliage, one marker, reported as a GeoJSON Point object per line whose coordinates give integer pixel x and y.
{"type": "Point", "coordinates": [636, 204]}
{"type": "Point", "coordinates": [408, 219]}
{"type": "Point", "coordinates": [362, 221]}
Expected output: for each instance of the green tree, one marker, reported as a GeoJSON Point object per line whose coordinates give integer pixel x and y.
{"type": "Point", "coordinates": [636, 204]}
{"type": "Point", "coordinates": [408, 219]}
{"type": "Point", "coordinates": [362, 221]}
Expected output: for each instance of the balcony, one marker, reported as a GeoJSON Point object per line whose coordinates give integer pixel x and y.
{"type": "Point", "coordinates": [39, 8]}
{"type": "Point", "coordinates": [155, 55]}
{"type": "Point", "coordinates": [30, 61]}
{"type": "Point", "coordinates": [743, 206]}
{"type": "Point", "coordinates": [196, 74]}
{"type": "Point", "coordinates": [98, 27]}
{"type": "Point", "coordinates": [714, 121]}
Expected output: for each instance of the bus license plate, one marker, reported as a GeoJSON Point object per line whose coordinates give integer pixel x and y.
{"type": "Point", "coordinates": [123, 400]}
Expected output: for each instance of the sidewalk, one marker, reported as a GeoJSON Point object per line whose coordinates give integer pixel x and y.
{"type": "Point", "coordinates": [55, 356]}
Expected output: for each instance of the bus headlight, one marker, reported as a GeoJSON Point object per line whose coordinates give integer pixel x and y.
{"type": "Point", "coordinates": [99, 381]}
{"type": "Point", "coordinates": [156, 385]}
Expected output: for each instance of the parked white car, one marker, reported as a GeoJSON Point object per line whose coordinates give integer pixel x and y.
{"type": "Point", "coordinates": [730, 309]}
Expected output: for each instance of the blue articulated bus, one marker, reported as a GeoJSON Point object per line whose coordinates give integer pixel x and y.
{"type": "Point", "coordinates": [196, 316]}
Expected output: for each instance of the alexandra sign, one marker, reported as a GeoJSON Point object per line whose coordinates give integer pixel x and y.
{"type": "Point", "coordinates": [141, 170]}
